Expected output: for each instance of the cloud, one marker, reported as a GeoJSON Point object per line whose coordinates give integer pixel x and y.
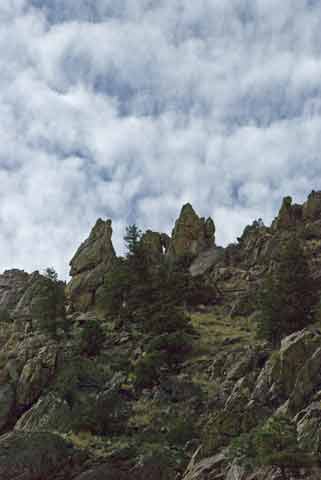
{"type": "Point", "coordinates": [128, 109]}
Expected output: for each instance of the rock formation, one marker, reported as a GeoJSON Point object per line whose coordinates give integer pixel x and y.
{"type": "Point", "coordinates": [191, 234]}
{"type": "Point", "coordinates": [55, 396]}
{"type": "Point", "coordinates": [90, 263]}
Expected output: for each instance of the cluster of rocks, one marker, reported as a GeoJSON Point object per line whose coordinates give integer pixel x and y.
{"type": "Point", "coordinates": [94, 258]}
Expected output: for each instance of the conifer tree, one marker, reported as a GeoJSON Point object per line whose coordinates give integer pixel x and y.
{"type": "Point", "coordinates": [288, 294]}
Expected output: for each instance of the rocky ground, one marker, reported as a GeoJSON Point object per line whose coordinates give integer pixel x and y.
{"type": "Point", "coordinates": [68, 415]}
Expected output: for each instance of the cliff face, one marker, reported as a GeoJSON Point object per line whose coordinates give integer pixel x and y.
{"type": "Point", "coordinates": [238, 270]}
{"type": "Point", "coordinates": [67, 415]}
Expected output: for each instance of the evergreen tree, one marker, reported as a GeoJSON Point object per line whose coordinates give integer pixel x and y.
{"type": "Point", "coordinates": [92, 338]}
{"type": "Point", "coordinates": [49, 307]}
{"type": "Point", "coordinates": [132, 239]}
{"type": "Point", "coordinates": [288, 294]}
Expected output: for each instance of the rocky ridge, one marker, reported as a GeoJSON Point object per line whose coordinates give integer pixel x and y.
{"type": "Point", "coordinates": [229, 383]}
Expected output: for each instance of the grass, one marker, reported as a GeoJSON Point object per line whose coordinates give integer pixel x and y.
{"type": "Point", "coordinates": [217, 331]}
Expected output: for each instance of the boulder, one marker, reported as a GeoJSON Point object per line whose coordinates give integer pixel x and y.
{"type": "Point", "coordinates": [90, 263]}
{"type": "Point", "coordinates": [191, 234]}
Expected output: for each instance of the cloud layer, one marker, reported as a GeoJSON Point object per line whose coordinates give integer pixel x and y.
{"type": "Point", "coordinates": [129, 108]}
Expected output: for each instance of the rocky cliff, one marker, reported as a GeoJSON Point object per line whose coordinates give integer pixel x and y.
{"type": "Point", "coordinates": [69, 414]}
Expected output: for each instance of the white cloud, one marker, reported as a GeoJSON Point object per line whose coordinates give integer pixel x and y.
{"type": "Point", "coordinates": [130, 108]}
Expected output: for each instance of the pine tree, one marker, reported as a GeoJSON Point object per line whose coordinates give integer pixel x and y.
{"type": "Point", "coordinates": [288, 294]}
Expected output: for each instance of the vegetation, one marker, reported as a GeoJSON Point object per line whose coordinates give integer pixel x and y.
{"type": "Point", "coordinates": [287, 297]}
{"type": "Point", "coordinates": [275, 444]}
{"type": "Point", "coordinates": [92, 338]}
{"type": "Point", "coordinates": [48, 304]}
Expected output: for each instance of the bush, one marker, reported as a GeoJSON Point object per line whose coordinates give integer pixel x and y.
{"type": "Point", "coordinates": [146, 370]}
{"type": "Point", "coordinates": [273, 444]}
{"type": "Point", "coordinates": [166, 319]}
{"type": "Point", "coordinates": [92, 338]}
{"type": "Point", "coordinates": [181, 431]}
{"type": "Point", "coordinates": [172, 346]}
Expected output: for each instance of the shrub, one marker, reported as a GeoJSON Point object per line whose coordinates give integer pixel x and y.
{"type": "Point", "coordinates": [146, 370]}
{"type": "Point", "coordinates": [92, 338]}
{"type": "Point", "coordinates": [273, 444]}
{"type": "Point", "coordinates": [172, 346]}
{"type": "Point", "coordinates": [181, 430]}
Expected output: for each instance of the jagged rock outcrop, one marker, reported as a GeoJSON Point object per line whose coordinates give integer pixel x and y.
{"type": "Point", "coordinates": [155, 245]}
{"type": "Point", "coordinates": [191, 234]}
{"type": "Point", "coordinates": [90, 263]}
{"type": "Point", "coordinates": [49, 413]}
{"type": "Point", "coordinates": [13, 284]}
{"type": "Point", "coordinates": [39, 304]}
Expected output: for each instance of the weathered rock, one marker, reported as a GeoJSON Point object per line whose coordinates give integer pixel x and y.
{"type": "Point", "coordinates": [38, 303]}
{"type": "Point", "coordinates": [289, 215]}
{"type": "Point", "coordinates": [49, 413]}
{"type": "Point", "coordinates": [152, 245]}
{"type": "Point", "coordinates": [309, 427]}
{"type": "Point", "coordinates": [312, 207]}
{"type": "Point", "coordinates": [308, 379]}
{"type": "Point", "coordinates": [35, 375]}
{"type": "Point", "coordinates": [13, 284]}
{"type": "Point", "coordinates": [90, 263]}
{"type": "Point", "coordinates": [191, 234]}
{"type": "Point", "coordinates": [35, 456]}
{"type": "Point", "coordinates": [206, 260]}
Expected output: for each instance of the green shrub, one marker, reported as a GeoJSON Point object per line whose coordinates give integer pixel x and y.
{"type": "Point", "coordinates": [181, 430]}
{"type": "Point", "coordinates": [147, 370]}
{"type": "Point", "coordinates": [273, 444]}
{"type": "Point", "coordinates": [92, 338]}
{"type": "Point", "coordinates": [173, 346]}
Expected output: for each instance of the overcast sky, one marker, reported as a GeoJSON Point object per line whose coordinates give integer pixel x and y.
{"type": "Point", "coordinates": [129, 108]}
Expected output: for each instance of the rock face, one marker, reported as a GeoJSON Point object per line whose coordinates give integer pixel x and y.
{"type": "Point", "coordinates": [13, 284]}
{"type": "Point", "coordinates": [155, 245]}
{"type": "Point", "coordinates": [90, 263]}
{"type": "Point", "coordinates": [191, 234]}
{"type": "Point", "coordinates": [38, 302]}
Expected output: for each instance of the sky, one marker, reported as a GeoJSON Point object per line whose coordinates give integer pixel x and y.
{"type": "Point", "coordinates": [127, 109]}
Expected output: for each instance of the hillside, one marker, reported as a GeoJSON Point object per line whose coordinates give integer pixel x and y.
{"type": "Point", "coordinates": [152, 366]}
